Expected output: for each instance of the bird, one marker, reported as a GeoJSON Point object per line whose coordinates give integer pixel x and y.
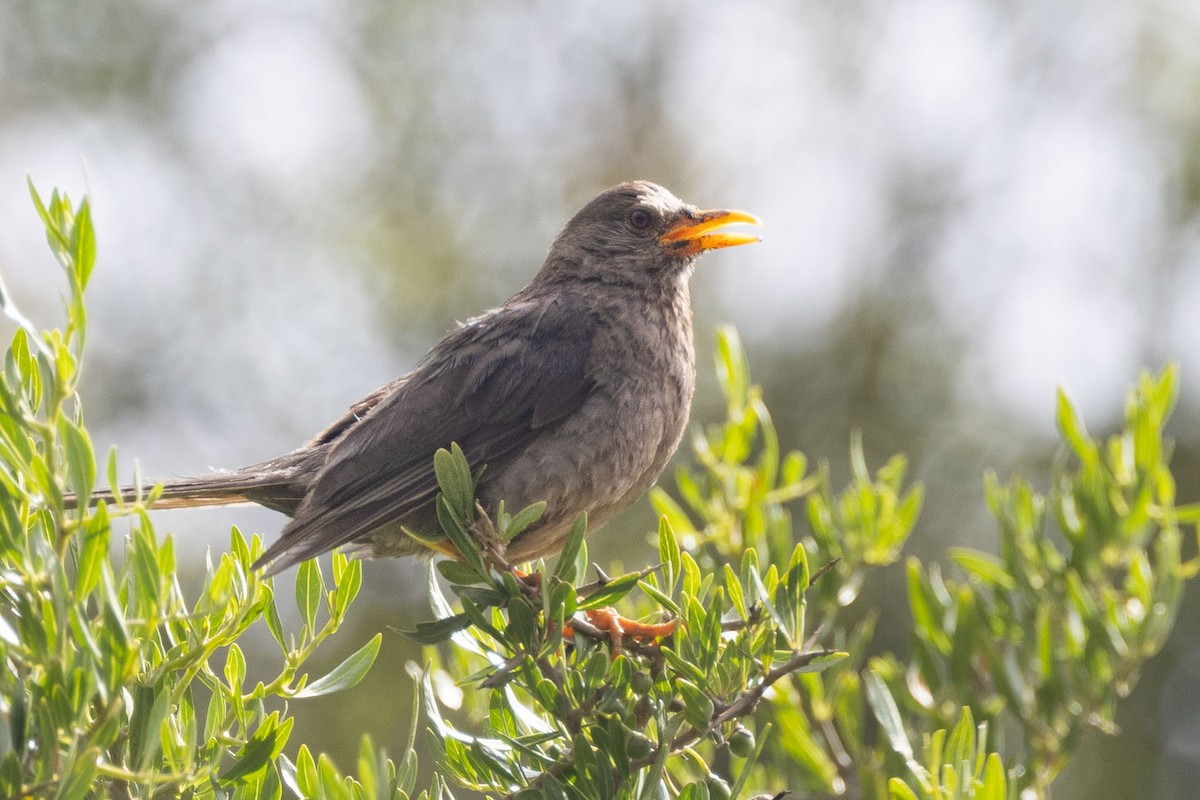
{"type": "Point", "coordinates": [574, 392]}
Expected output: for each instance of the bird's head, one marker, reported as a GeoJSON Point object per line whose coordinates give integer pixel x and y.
{"type": "Point", "coordinates": [639, 232]}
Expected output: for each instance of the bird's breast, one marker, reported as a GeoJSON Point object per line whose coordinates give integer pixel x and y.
{"type": "Point", "coordinates": [605, 456]}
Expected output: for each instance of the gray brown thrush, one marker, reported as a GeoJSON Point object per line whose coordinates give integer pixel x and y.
{"type": "Point", "coordinates": [574, 392]}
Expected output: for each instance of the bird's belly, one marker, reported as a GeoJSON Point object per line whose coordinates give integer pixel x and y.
{"type": "Point", "coordinates": [598, 461]}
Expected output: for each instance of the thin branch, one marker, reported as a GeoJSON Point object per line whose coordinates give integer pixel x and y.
{"type": "Point", "coordinates": [744, 705]}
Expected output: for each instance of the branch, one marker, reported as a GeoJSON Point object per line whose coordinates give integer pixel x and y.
{"type": "Point", "coordinates": [738, 708]}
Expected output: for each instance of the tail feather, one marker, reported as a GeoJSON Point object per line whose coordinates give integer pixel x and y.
{"type": "Point", "coordinates": [279, 492]}
{"type": "Point", "coordinates": [170, 498]}
{"type": "Point", "coordinates": [279, 485]}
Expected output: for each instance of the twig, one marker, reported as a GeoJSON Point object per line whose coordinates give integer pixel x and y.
{"type": "Point", "coordinates": [738, 708]}
{"type": "Point", "coordinates": [823, 570]}
{"type": "Point", "coordinates": [743, 705]}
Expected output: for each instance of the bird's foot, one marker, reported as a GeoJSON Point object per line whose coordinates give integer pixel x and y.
{"type": "Point", "coordinates": [531, 582]}
{"type": "Point", "coordinates": [608, 622]}
{"type": "Point", "coordinates": [493, 547]}
{"type": "Point", "coordinates": [602, 622]}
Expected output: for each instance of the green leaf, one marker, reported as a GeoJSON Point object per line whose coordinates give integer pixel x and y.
{"type": "Point", "coordinates": [147, 743]}
{"type": "Point", "coordinates": [306, 778]}
{"type": "Point", "coordinates": [235, 668]}
{"type": "Point", "coordinates": [80, 774]}
{"type": "Point", "coordinates": [81, 461]}
{"type": "Point", "coordinates": [83, 243]}
{"type": "Point", "coordinates": [994, 780]}
{"type": "Point", "coordinates": [1071, 428]}
{"type": "Point", "coordinates": [425, 537]}
{"type": "Point", "coordinates": [346, 674]}
{"type": "Point", "coordinates": [565, 568]}
{"type": "Point", "coordinates": [93, 552]}
{"type": "Point", "coordinates": [666, 506]}
{"type": "Point", "coordinates": [983, 565]}
{"type": "Point", "coordinates": [611, 592]}
{"type": "Point", "coordinates": [899, 790]}
{"type": "Point", "coordinates": [523, 519]}
{"type": "Point", "coordinates": [309, 590]}
{"type": "Point", "coordinates": [668, 554]}
{"type": "Point", "coordinates": [733, 587]}
{"type": "Point", "coordinates": [346, 584]}
{"type": "Point", "coordinates": [252, 756]}
{"type": "Point", "coordinates": [698, 707]}
{"type": "Point", "coordinates": [822, 662]}
{"type": "Point", "coordinates": [883, 705]}
{"type": "Point", "coordinates": [459, 573]}
{"type": "Point", "coordinates": [657, 596]}
{"type": "Point", "coordinates": [732, 372]}
{"type": "Point", "coordinates": [436, 631]}
{"type": "Point", "coordinates": [457, 531]}
{"type": "Point", "coordinates": [454, 479]}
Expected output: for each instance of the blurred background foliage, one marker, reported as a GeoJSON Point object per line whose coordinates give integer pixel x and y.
{"type": "Point", "coordinates": [967, 204]}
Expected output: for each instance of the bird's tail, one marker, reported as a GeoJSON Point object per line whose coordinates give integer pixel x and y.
{"type": "Point", "coordinates": [278, 485]}
{"type": "Point", "coordinates": [207, 490]}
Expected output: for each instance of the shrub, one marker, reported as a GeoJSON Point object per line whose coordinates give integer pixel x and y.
{"type": "Point", "coordinates": [750, 669]}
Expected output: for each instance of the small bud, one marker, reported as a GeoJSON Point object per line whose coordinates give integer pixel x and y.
{"type": "Point", "coordinates": [613, 705]}
{"type": "Point", "coordinates": [638, 746]}
{"type": "Point", "coordinates": [718, 789]}
{"type": "Point", "coordinates": [741, 742]}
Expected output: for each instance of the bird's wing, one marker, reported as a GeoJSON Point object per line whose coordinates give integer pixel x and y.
{"type": "Point", "coordinates": [491, 386]}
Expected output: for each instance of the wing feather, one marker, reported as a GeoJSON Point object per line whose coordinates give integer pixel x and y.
{"type": "Point", "coordinates": [492, 386]}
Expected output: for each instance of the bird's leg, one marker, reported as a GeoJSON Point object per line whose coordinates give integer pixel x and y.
{"type": "Point", "coordinates": [607, 622]}
{"type": "Point", "coordinates": [607, 619]}
{"type": "Point", "coordinates": [604, 621]}
{"type": "Point", "coordinates": [490, 543]}
{"type": "Point", "coordinates": [530, 582]}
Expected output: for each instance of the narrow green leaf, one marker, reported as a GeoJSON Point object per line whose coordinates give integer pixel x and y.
{"type": "Point", "coordinates": [994, 780]}
{"type": "Point", "coordinates": [80, 773]}
{"type": "Point", "coordinates": [252, 756]}
{"type": "Point", "coordinates": [732, 372]}
{"type": "Point", "coordinates": [309, 590]}
{"type": "Point", "coordinates": [611, 592]}
{"type": "Point", "coordinates": [565, 568]}
{"type": "Point", "coordinates": [459, 573]}
{"type": "Point", "coordinates": [454, 479]}
{"type": "Point", "coordinates": [883, 706]}
{"type": "Point", "coordinates": [733, 587]}
{"type": "Point", "coordinates": [668, 554]}
{"type": "Point", "coordinates": [899, 790]}
{"type": "Point", "coordinates": [83, 243]}
{"type": "Point", "coordinates": [346, 674]}
{"type": "Point", "coordinates": [457, 531]}
{"type": "Point", "coordinates": [666, 506]}
{"type": "Point", "coordinates": [823, 662]}
{"type": "Point", "coordinates": [698, 707]}
{"type": "Point", "coordinates": [346, 584]}
{"type": "Point", "coordinates": [657, 596]}
{"type": "Point", "coordinates": [81, 461]}
{"type": "Point", "coordinates": [523, 519]}
{"type": "Point", "coordinates": [1071, 428]}
{"type": "Point", "coordinates": [983, 565]}
{"type": "Point", "coordinates": [436, 631]}
{"type": "Point", "coordinates": [235, 668]}
{"type": "Point", "coordinates": [92, 553]}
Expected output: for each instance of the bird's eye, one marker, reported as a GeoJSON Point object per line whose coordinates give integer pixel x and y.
{"type": "Point", "coordinates": [640, 219]}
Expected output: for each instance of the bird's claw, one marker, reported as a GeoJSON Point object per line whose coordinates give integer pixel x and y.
{"type": "Point", "coordinates": [617, 627]}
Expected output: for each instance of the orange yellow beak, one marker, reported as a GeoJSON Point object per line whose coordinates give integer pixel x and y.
{"type": "Point", "coordinates": [694, 233]}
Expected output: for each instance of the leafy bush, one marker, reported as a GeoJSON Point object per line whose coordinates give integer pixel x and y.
{"type": "Point", "coordinates": [750, 670]}
{"type": "Point", "coordinates": [114, 683]}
